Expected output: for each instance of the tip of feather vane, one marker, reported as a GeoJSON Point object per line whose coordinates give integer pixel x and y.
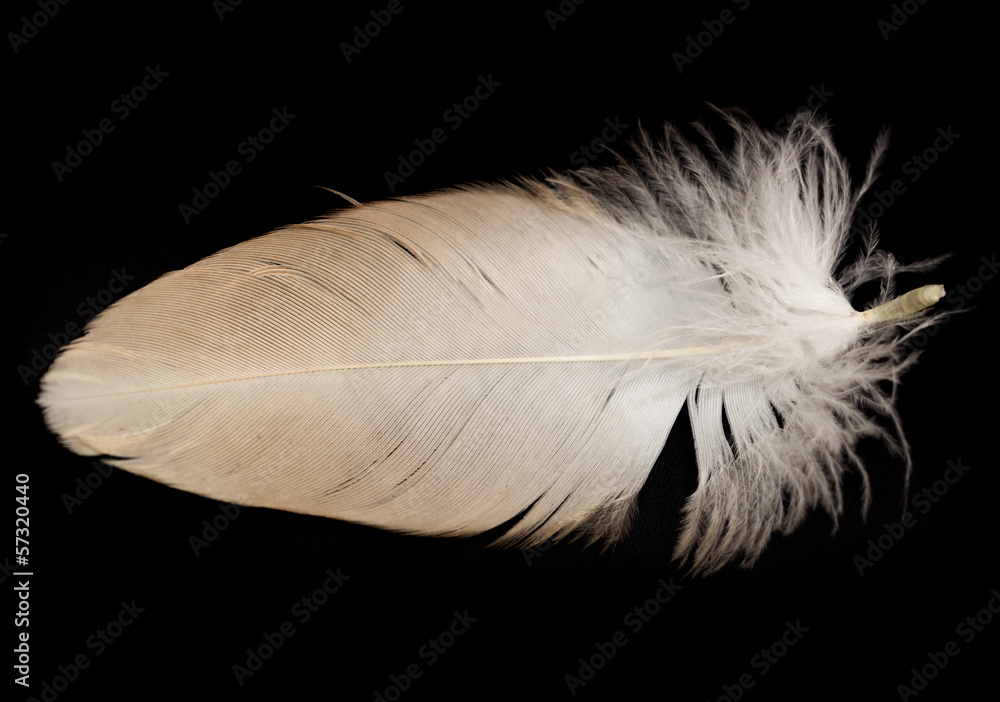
{"type": "Point", "coordinates": [340, 194]}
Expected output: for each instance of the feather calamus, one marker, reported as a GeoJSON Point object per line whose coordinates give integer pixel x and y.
{"type": "Point", "coordinates": [441, 364]}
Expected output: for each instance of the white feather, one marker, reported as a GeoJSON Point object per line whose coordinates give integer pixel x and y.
{"type": "Point", "coordinates": [441, 364]}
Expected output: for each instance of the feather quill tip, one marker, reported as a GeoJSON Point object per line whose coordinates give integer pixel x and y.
{"type": "Point", "coordinates": [904, 306]}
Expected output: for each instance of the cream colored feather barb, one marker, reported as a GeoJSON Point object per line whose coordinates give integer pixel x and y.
{"type": "Point", "coordinates": [441, 364]}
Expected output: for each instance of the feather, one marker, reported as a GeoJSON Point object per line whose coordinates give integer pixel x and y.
{"type": "Point", "coordinates": [445, 363]}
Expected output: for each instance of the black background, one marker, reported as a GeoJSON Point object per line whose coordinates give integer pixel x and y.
{"type": "Point", "coordinates": [536, 614]}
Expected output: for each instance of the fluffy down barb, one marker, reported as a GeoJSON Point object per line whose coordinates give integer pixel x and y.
{"type": "Point", "coordinates": [441, 364]}
{"type": "Point", "coordinates": [764, 227]}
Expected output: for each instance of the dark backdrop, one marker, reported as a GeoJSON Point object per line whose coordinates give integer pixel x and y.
{"type": "Point", "coordinates": [811, 621]}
